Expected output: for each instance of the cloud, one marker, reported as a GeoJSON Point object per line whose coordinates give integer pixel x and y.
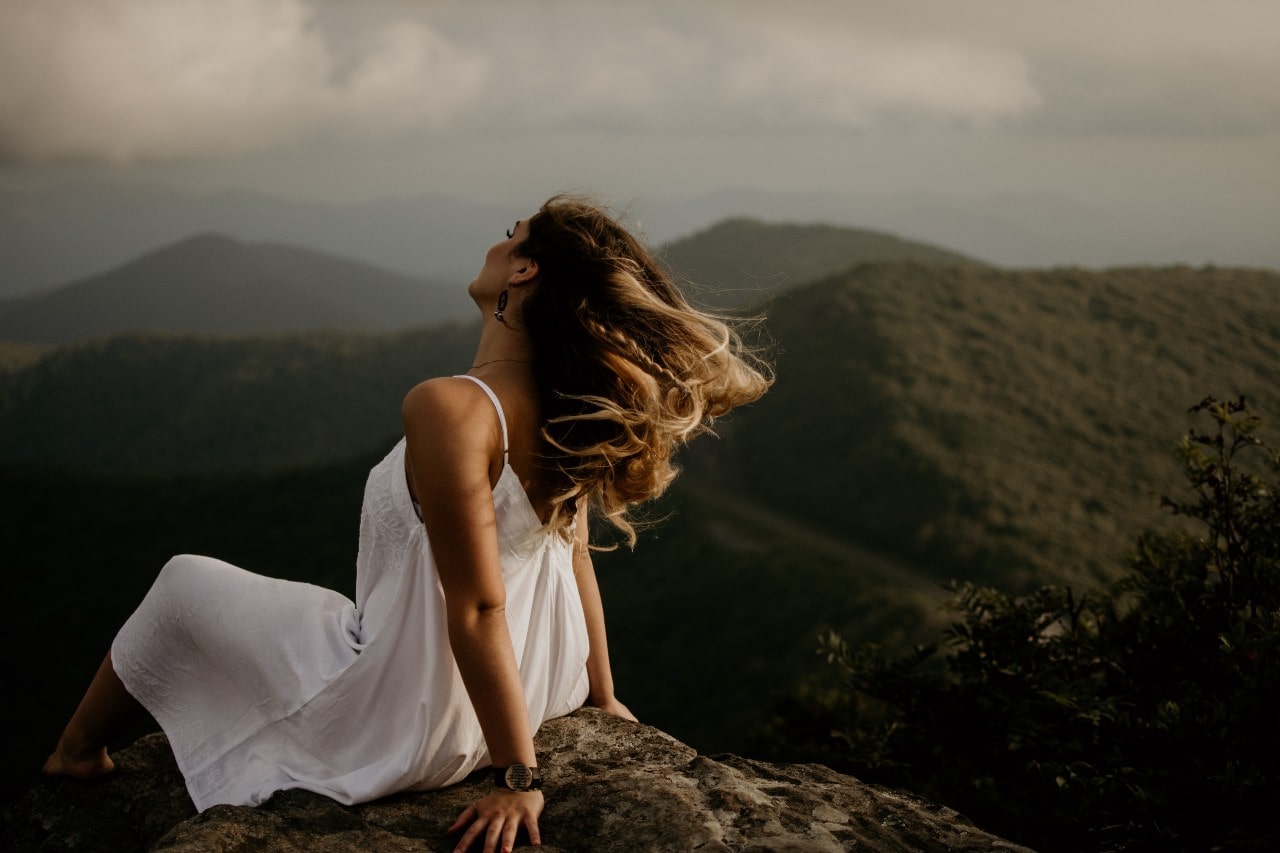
{"type": "Point", "coordinates": [147, 81]}
{"type": "Point", "coordinates": [854, 80]}
{"type": "Point", "coordinates": [128, 81]}
{"type": "Point", "coordinates": [726, 68]}
{"type": "Point", "coordinates": [1154, 68]}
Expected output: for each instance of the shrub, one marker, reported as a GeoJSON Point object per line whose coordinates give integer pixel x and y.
{"type": "Point", "coordinates": [1138, 717]}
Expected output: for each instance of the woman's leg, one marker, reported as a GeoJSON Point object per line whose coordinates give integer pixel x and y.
{"type": "Point", "coordinates": [106, 712]}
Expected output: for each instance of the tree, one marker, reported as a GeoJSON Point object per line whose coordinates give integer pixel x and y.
{"type": "Point", "coordinates": [1138, 717]}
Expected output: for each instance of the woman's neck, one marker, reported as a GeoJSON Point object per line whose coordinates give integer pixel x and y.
{"type": "Point", "coordinates": [502, 345]}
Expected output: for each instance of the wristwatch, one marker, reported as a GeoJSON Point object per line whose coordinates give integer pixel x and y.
{"type": "Point", "coordinates": [517, 777]}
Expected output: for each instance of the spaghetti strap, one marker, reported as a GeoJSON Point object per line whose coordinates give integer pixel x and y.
{"type": "Point", "coordinates": [502, 418]}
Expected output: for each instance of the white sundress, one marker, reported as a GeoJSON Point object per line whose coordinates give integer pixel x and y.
{"type": "Point", "coordinates": [264, 684]}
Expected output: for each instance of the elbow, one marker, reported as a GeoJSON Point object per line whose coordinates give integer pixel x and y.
{"type": "Point", "coordinates": [473, 616]}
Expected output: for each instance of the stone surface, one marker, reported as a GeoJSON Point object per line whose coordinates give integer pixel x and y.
{"type": "Point", "coordinates": [612, 785]}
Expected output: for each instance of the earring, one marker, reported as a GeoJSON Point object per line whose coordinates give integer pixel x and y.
{"type": "Point", "coordinates": [502, 307]}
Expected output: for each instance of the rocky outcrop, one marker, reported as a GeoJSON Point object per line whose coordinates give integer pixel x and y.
{"type": "Point", "coordinates": [612, 785]}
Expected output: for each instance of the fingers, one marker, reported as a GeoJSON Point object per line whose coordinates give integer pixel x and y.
{"type": "Point", "coordinates": [613, 706]}
{"type": "Point", "coordinates": [494, 835]}
{"type": "Point", "coordinates": [474, 832]}
{"type": "Point", "coordinates": [498, 818]}
{"type": "Point", "coordinates": [511, 828]}
{"type": "Point", "coordinates": [509, 836]}
{"type": "Point", "coordinates": [499, 837]}
{"type": "Point", "coordinates": [468, 814]}
{"type": "Point", "coordinates": [464, 843]}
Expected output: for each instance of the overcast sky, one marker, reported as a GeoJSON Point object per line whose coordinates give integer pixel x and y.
{"type": "Point", "coordinates": [1132, 103]}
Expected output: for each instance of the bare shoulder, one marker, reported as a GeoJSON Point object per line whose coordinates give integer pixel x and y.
{"type": "Point", "coordinates": [437, 397]}
{"type": "Point", "coordinates": [453, 409]}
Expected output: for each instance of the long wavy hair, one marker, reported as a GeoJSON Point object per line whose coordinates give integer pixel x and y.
{"type": "Point", "coordinates": [627, 369]}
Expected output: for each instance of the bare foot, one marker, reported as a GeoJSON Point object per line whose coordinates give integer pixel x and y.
{"type": "Point", "coordinates": [93, 764]}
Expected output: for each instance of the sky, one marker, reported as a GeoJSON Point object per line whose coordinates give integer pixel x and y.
{"type": "Point", "coordinates": [1155, 106]}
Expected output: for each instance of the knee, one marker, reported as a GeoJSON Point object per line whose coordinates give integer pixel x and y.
{"type": "Point", "coordinates": [177, 566]}
{"type": "Point", "coordinates": [182, 572]}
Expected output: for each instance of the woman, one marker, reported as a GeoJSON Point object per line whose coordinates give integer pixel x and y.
{"type": "Point", "coordinates": [477, 615]}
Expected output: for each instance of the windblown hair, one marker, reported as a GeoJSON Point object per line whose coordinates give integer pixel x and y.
{"type": "Point", "coordinates": [628, 370]}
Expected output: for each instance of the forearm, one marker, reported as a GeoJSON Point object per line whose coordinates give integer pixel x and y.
{"type": "Point", "coordinates": [599, 673]}
{"type": "Point", "coordinates": [482, 648]}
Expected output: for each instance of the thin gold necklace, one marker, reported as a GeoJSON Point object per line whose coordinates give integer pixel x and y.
{"type": "Point", "coordinates": [496, 360]}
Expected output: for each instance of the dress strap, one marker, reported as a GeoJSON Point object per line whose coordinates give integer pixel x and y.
{"type": "Point", "coordinates": [502, 418]}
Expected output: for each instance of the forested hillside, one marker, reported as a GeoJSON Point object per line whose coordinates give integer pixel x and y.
{"type": "Point", "coordinates": [929, 422]}
{"type": "Point", "coordinates": [161, 404]}
{"type": "Point", "coordinates": [978, 423]}
{"type": "Point", "coordinates": [996, 425]}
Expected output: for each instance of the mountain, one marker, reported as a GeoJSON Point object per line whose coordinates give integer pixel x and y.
{"type": "Point", "coordinates": [210, 284]}
{"type": "Point", "coordinates": [258, 391]}
{"type": "Point", "coordinates": [153, 404]}
{"type": "Point", "coordinates": [744, 261]}
{"type": "Point", "coordinates": [929, 422]}
{"type": "Point", "coordinates": [1006, 426]}
{"type": "Point", "coordinates": [988, 424]}
{"type": "Point", "coordinates": [54, 234]}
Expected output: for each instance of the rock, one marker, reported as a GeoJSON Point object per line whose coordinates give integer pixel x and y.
{"type": "Point", "coordinates": [611, 785]}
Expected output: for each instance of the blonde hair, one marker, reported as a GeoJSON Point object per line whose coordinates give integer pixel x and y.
{"type": "Point", "coordinates": [627, 368]}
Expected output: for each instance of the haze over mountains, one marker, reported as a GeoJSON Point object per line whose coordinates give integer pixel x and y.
{"type": "Point", "coordinates": [212, 284]}
{"type": "Point", "coordinates": [934, 418]}
{"type": "Point", "coordinates": [54, 235]}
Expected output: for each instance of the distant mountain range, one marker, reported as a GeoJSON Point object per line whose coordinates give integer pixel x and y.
{"type": "Point", "coordinates": [931, 420]}
{"type": "Point", "coordinates": [744, 261]}
{"type": "Point", "coordinates": [212, 284]}
{"type": "Point", "coordinates": [987, 423]}
{"type": "Point", "coordinates": [56, 234]}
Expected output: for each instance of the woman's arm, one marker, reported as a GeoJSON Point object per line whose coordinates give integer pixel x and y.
{"type": "Point", "coordinates": [452, 438]}
{"type": "Point", "coordinates": [599, 675]}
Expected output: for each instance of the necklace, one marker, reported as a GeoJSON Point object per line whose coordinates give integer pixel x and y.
{"type": "Point", "coordinates": [496, 360]}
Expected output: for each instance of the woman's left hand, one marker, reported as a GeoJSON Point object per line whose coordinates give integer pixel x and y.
{"type": "Point", "coordinates": [499, 816]}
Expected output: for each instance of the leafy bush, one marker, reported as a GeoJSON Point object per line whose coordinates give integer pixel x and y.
{"type": "Point", "coordinates": [1141, 717]}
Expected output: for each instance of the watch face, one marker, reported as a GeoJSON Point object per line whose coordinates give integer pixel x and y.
{"type": "Point", "coordinates": [518, 777]}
